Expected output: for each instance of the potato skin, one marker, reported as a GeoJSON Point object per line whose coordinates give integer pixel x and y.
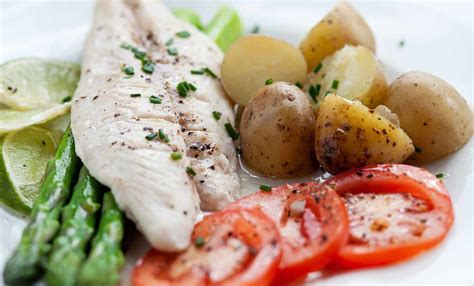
{"type": "Point", "coordinates": [277, 132]}
{"type": "Point", "coordinates": [341, 26]}
{"type": "Point", "coordinates": [435, 116]}
{"type": "Point", "coordinates": [348, 135]}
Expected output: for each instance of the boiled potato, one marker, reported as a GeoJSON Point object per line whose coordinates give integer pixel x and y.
{"type": "Point", "coordinates": [341, 26]}
{"type": "Point", "coordinates": [348, 134]}
{"type": "Point", "coordinates": [432, 113]}
{"type": "Point", "coordinates": [253, 60]}
{"type": "Point", "coordinates": [277, 132]}
{"type": "Point", "coordinates": [353, 73]}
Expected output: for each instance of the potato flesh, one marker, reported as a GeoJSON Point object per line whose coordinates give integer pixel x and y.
{"type": "Point", "coordinates": [254, 59]}
{"type": "Point", "coordinates": [348, 135]}
{"type": "Point", "coordinates": [433, 114]}
{"type": "Point", "coordinates": [277, 132]}
{"type": "Point", "coordinates": [341, 26]}
{"type": "Point", "coordinates": [359, 75]}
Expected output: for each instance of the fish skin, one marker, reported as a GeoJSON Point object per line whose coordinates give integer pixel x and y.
{"type": "Point", "coordinates": [110, 126]}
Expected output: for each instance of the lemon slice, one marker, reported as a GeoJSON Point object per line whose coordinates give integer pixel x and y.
{"type": "Point", "coordinates": [24, 155]}
{"type": "Point", "coordinates": [33, 91]}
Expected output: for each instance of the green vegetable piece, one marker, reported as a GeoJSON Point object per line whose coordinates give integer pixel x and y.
{"type": "Point", "coordinates": [269, 81]}
{"type": "Point", "coordinates": [318, 68]}
{"type": "Point", "coordinates": [217, 115]}
{"type": "Point", "coordinates": [26, 265]}
{"type": "Point", "coordinates": [183, 34]}
{"type": "Point", "coordinates": [190, 171]}
{"type": "Point", "coordinates": [189, 16]}
{"type": "Point", "coordinates": [155, 99]}
{"type": "Point", "coordinates": [176, 156]}
{"type": "Point", "coordinates": [231, 131]}
{"type": "Point", "coordinates": [78, 226]}
{"type": "Point", "coordinates": [173, 51]}
{"type": "Point", "coordinates": [225, 27]}
{"type": "Point", "coordinates": [265, 188]}
{"type": "Point", "coordinates": [102, 267]}
{"type": "Point", "coordinates": [199, 242]}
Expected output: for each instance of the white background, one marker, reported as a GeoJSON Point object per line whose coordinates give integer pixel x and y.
{"type": "Point", "coordinates": [438, 38]}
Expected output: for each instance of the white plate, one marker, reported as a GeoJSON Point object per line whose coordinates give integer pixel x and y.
{"type": "Point", "coordinates": [437, 37]}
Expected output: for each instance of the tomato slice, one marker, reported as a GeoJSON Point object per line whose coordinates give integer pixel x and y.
{"type": "Point", "coordinates": [395, 212]}
{"type": "Point", "coordinates": [237, 247]}
{"type": "Point", "coordinates": [312, 222]}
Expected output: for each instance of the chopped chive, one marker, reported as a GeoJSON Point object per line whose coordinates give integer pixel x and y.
{"type": "Point", "coordinates": [148, 67]}
{"type": "Point", "coordinates": [318, 68]}
{"type": "Point", "coordinates": [209, 72]}
{"type": "Point", "coordinates": [440, 175]}
{"type": "Point", "coordinates": [197, 71]}
{"type": "Point", "coordinates": [190, 171]}
{"type": "Point", "coordinates": [335, 84]}
{"type": "Point", "coordinates": [299, 84]}
{"type": "Point", "coordinates": [128, 70]}
{"type": "Point", "coordinates": [255, 29]}
{"type": "Point", "coordinates": [163, 136]}
{"type": "Point", "coordinates": [67, 99]}
{"type": "Point", "coordinates": [176, 156]}
{"type": "Point", "coordinates": [169, 42]}
{"type": "Point", "coordinates": [192, 86]}
{"type": "Point", "coordinates": [217, 115]}
{"type": "Point", "coordinates": [199, 242]}
{"type": "Point", "coordinates": [126, 46]}
{"type": "Point", "coordinates": [183, 34]}
{"type": "Point", "coordinates": [135, 95]}
{"type": "Point", "coordinates": [151, 136]}
{"type": "Point", "coordinates": [417, 149]}
{"type": "Point", "coordinates": [182, 89]}
{"type": "Point", "coordinates": [265, 188]}
{"type": "Point", "coordinates": [139, 54]}
{"type": "Point", "coordinates": [314, 92]}
{"type": "Point", "coordinates": [173, 51]}
{"type": "Point", "coordinates": [268, 81]}
{"type": "Point", "coordinates": [231, 131]}
{"type": "Point", "coordinates": [155, 99]}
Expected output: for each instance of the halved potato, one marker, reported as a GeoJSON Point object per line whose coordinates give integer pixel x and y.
{"type": "Point", "coordinates": [432, 112]}
{"type": "Point", "coordinates": [253, 60]}
{"type": "Point", "coordinates": [353, 73]}
{"type": "Point", "coordinates": [341, 26]}
{"type": "Point", "coordinates": [348, 134]}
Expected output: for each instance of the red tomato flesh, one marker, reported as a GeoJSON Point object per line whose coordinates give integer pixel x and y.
{"type": "Point", "coordinates": [312, 222]}
{"type": "Point", "coordinates": [395, 212]}
{"type": "Point", "coordinates": [240, 247]}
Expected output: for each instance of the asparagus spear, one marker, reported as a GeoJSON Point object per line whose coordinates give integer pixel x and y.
{"type": "Point", "coordinates": [225, 27]}
{"type": "Point", "coordinates": [78, 226]}
{"type": "Point", "coordinates": [102, 268]}
{"type": "Point", "coordinates": [26, 264]}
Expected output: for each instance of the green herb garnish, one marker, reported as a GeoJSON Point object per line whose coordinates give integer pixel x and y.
{"type": "Point", "coordinates": [199, 242]}
{"type": "Point", "coordinates": [183, 34]}
{"type": "Point", "coordinates": [197, 71]}
{"type": "Point", "coordinates": [169, 42]}
{"type": "Point", "coordinates": [209, 72]}
{"type": "Point", "coordinates": [190, 171]}
{"type": "Point", "coordinates": [255, 29]}
{"type": "Point", "coordinates": [128, 70]}
{"type": "Point", "coordinates": [318, 68]}
{"type": "Point", "coordinates": [217, 115]}
{"type": "Point", "coordinates": [139, 54]}
{"type": "Point", "coordinates": [135, 95]}
{"type": "Point", "coordinates": [151, 136]}
{"type": "Point", "coordinates": [148, 67]}
{"type": "Point", "coordinates": [183, 88]}
{"type": "Point", "coordinates": [299, 84]}
{"type": "Point", "coordinates": [417, 149]}
{"type": "Point", "coordinates": [176, 156]}
{"type": "Point", "coordinates": [66, 99]}
{"type": "Point", "coordinates": [440, 175]}
{"type": "Point", "coordinates": [265, 188]}
{"type": "Point", "coordinates": [231, 131]}
{"type": "Point", "coordinates": [163, 136]}
{"type": "Point", "coordinates": [335, 84]}
{"type": "Point", "coordinates": [268, 81]}
{"type": "Point", "coordinates": [173, 51]}
{"type": "Point", "coordinates": [314, 92]}
{"type": "Point", "coordinates": [155, 99]}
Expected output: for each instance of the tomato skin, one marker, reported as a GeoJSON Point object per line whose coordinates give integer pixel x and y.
{"type": "Point", "coordinates": [390, 179]}
{"type": "Point", "coordinates": [249, 233]}
{"type": "Point", "coordinates": [323, 240]}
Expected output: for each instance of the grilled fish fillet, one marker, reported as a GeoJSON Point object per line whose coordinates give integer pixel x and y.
{"type": "Point", "coordinates": [112, 115]}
